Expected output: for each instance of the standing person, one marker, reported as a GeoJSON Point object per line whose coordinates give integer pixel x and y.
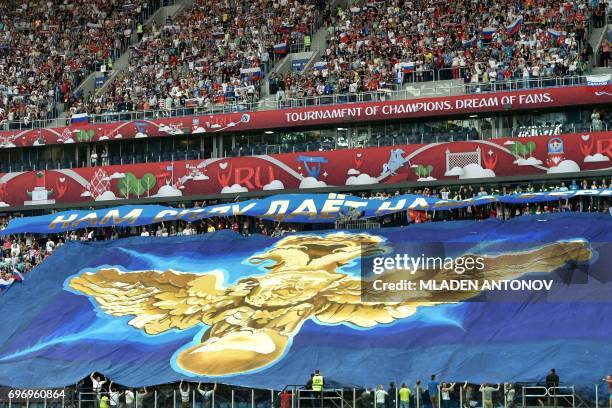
{"type": "Point", "coordinates": [140, 397]}
{"type": "Point", "coordinates": [608, 379]}
{"type": "Point", "coordinates": [404, 396]}
{"type": "Point", "coordinates": [285, 399]}
{"type": "Point", "coordinates": [113, 395]}
{"type": "Point", "coordinates": [552, 382]}
{"type": "Point", "coordinates": [487, 395]}
{"type": "Point", "coordinates": [433, 388]}
{"type": "Point", "coordinates": [365, 400]}
{"type": "Point", "coordinates": [392, 391]}
{"type": "Point", "coordinates": [380, 396]}
{"type": "Point", "coordinates": [310, 394]}
{"type": "Point", "coordinates": [510, 394]}
{"type": "Point", "coordinates": [469, 395]}
{"type": "Point", "coordinates": [207, 395]}
{"type": "Point", "coordinates": [418, 394]}
{"type": "Point", "coordinates": [605, 53]}
{"type": "Point", "coordinates": [318, 383]}
{"type": "Point", "coordinates": [129, 398]}
{"type": "Point", "coordinates": [445, 390]}
{"type": "Point", "coordinates": [96, 384]}
{"type": "Point", "coordinates": [184, 395]}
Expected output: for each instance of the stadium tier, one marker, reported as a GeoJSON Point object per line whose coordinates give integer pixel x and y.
{"type": "Point", "coordinates": [532, 132]}
{"type": "Point", "coordinates": [291, 204]}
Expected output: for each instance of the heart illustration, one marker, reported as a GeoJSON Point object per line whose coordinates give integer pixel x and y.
{"type": "Point", "coordinates": [585, 137]}
{"type": "Point", "coordinates": [223, 165]}
{"type": "Point", "coordinates": [62, 179]}
{"type": "Point", "coordinates": [556, 160]}
{"type": "Point", "coordinates": [358, 160]}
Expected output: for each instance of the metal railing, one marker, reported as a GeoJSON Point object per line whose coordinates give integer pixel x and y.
{"type": "Point", "coordinates": [414, 90]}
{"type": "Point", "coordinates": [357, 225]}
{"type": "Point", "coordinates": [447, 395]}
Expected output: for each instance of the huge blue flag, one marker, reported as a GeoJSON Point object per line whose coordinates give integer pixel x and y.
{"type": "Point", "coordinates": [302, 208]}
{"type": "Point", "coordinates": [485, 301]}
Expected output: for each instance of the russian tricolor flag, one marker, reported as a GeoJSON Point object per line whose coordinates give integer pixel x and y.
{"type": "Point", "coordinates": [218, 35]}
{"type": "Point", "coordinates": [469, 43]}
{"type": "Point", "coordinates": [253, 74]}
{"type": "Point", "coordinates": [79, 119]}
{"type": "Point", "coordinates": [280, 48]}
{"type": "Point", "coordinates": [17, 276]}
{"type": "Point", "coordinates": [407, 67]}
{"type": "Point", "coordinates": [286, 28]}
{"type": "Point", "coordinates": [556, 35]}
{"type": "Point", "coordinates": [487, 33]}
{"type": "Point", "coordinates": [515, 27]}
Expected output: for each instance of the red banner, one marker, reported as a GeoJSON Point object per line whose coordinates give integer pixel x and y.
{"type": "Point", "coordinates": [390, 164]}
{"type": "Point", "coordinates": [308, 116]}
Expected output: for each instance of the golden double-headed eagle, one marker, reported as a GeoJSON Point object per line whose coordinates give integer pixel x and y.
{"type": "Point", "coordinates": [251, 323]}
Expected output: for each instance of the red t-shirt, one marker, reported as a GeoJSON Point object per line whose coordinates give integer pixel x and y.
{"type": "Point", "coordinates": [285, 400]}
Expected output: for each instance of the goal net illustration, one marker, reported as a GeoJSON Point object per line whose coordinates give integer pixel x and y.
{"type": "Point", "coordinates": [462, 159]}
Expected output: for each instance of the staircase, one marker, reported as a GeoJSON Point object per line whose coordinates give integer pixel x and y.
{"type": "Point", "coordinates": [595, 39]}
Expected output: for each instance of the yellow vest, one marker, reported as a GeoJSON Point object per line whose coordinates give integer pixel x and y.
{"type": "Point", "coordinates": [317, 383]}
{"type": "Point", "coordinates": [139, 28]}
{"type": "Point", "coordinates": [307, 41]}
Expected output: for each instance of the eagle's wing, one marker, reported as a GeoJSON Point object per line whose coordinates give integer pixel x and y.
{"type": "Point", "coordinates": [158, 301]}
{"type": "Point", "coordinates": [344, 302]}
{"type": "Point", "coordinates": [355, 301]}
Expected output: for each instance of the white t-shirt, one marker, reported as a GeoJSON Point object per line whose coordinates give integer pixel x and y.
{"type": "Point", "coordinates": [184, 395]}
{"type": "Point", "coordinates": [206, 394]}
{"type": "Point", "coordinates": [129, 397]}
{"type": "Point", "coordinates": [97, 385]}
{"type": "Point", "coordinates": [380, 396]}
{"type": "Point", "coordinates": [510, 395]}
{"type": "Point", "coordinates": [114, 398]}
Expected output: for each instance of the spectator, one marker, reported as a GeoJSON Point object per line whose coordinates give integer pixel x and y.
{"type": "Point", "coordinates": [604, 53]}
{"type": "Point", "coordinates": [380, 396]}
{"type": "Point", "coordinates": [552, 383]}
{"type": "Point", "coordinates": [434, 388]}
{"type": "Point", "coordinates": [487, 395]}
{"type": "Point", "coordinates": [445, 390]}
{"type": "Point", "coordinates": [608, 380]}
{"type": "Point", "coordinates": [392, 393]}
{"type": "Point", "coordinates": [510, 395]}
{"type": "Point", "coordinates": [404, 396]}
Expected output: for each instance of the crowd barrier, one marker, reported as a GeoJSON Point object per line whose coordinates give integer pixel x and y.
{"type": "Point", "coordinates": [462, 395]}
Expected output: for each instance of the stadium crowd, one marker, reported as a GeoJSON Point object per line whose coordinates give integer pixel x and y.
{"type": "Point", "coordinates": [218, 52]}
{"type": "Point", "coordinates": [47, 47]}
{"type": "Point", "coordinates": [214, 52]}
{"type": "Point", "coordinates": [20, 254]}
{"type": "Point", "coordinates": [392, 42]}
